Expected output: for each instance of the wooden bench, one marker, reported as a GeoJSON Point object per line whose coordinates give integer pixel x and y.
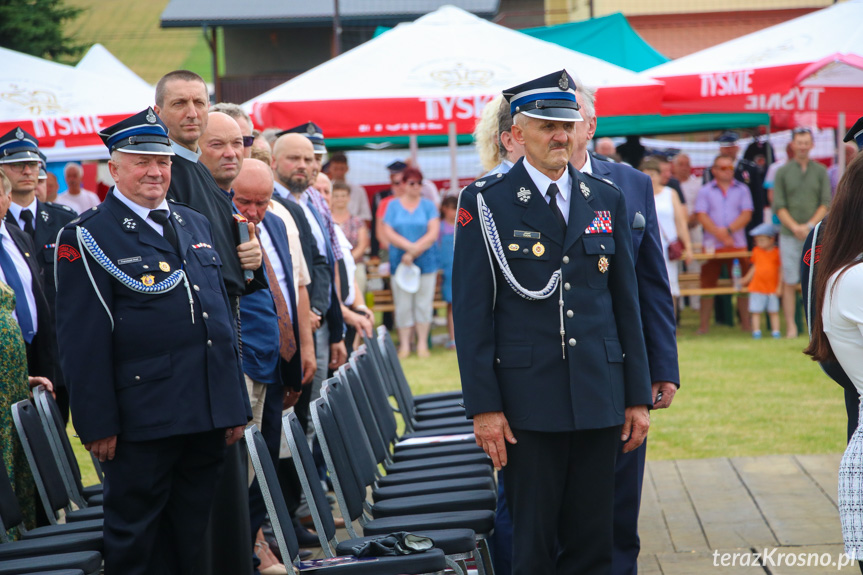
{"type": "Point", "coordinates": [381, 300]}
{"type": "Point", "coordinates": [690, 282]}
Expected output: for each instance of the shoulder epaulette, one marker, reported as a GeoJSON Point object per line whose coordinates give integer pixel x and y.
{"type": "Point", "coordinates": [485, 183]}
{"type": "Point", "coordinates": [57, 206]}
{"type": "Point", "coordinates": [83, 217]}
{"type": "Point", "coordinates": [601, 179]}
{"type": "Point", "coordinates": [174, 202]}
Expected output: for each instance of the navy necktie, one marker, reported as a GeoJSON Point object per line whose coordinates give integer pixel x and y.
{"type": "Point", "coordinates": [27, 216]}
{"type": "Point", "coordinates": [161, 217]}
{"type": "Point", "coordinates": [552, 192]}
{"type": "Point", "coordinates": [22, 310]}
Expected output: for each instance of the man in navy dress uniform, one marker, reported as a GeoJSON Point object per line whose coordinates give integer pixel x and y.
{"type": "Point", "coordinates": [551, 351]}
{"type": "Point", "coordinates": [150, 356]}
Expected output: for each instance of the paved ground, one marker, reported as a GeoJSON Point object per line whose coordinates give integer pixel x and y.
{"type": "Point", "coordinates": [697, 513]}
{"type": "Point", "coordinates": [786, 504]}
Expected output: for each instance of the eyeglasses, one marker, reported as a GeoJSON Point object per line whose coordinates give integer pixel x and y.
{"type": "Point", "coordinates": [19, 167]}
{"type": "Point", "coordinates": [724, 168]}
{"type": "Point", "coordinates": [414, 183]}
{"type": "Point", "coordinates": [248, 141]}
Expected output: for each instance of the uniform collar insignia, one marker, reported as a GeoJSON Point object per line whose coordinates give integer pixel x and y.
{"type": "Point", "coordinates": [524, 195]}
{"type": "Point", "coordinates": [130, 224]}
{"type": "Point", "coordinates": [585, 191]}
{"type": "Point", "coordinates": [179, 218]}
{"type": "Point", "coordinates": [45, 215]}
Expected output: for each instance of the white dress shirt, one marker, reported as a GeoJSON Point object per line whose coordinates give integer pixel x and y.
{"type": "Point", "coordinates": [276, 263]}
{"type": "Point", "coordinates": [16, 210]}
{"type": "Point", "coordinates": [23, 272]}
{"type": "Point", "coordinates": [542, 182]}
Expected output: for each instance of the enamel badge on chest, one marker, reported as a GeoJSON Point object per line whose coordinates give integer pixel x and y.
{"type": "Point", "coordinates": [164, 266]}
{"type": "Point", "coordinates": [538, 249]}
{"type": "Point", "coordinates": [603, 264]}
{"type": "Point", "coordinates": [523, 195]}
{"type": "Point", "coordinates": [148, 280]}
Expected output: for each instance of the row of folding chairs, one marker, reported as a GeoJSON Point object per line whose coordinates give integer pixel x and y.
{"type": "Point", "coordinates": [433, 480]}
{"type": "Point", "coordinates": [72, 543]}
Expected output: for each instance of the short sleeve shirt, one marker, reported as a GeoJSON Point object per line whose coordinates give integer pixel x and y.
{"type": "Point", "coordinates": [412, 226]}
{"type": "Point", "coordinates": [723, 208]}
{"type": "Point", "coordinates": [767, 270]}
{"type": "Point", "coordinates": [799, 192]}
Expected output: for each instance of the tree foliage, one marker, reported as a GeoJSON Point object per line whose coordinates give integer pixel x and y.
{"type": "Point", "coordinates": [36, 27]}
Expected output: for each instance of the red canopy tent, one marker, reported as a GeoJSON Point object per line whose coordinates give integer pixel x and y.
{"type": "Point", "coordinates": [766, 71]}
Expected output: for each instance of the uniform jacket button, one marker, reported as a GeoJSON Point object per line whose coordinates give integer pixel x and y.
{"type": "Point", "coordinates": [566, 259]}
{"type": "Point", "coordinates": [569, 313]}
{"type": "Point", "coordinates": [205, 315]}
{"type": "Point", "coordinates": [196, 288]}
{"type": "Point", "coordinates": [137, 378]}
{"type": "Point", "coordinates": [209, 343]}
{"type": "Point", "coordinates": [572, 342]}
{"type": "Point", "coordinates": [566, 286]}
{"type": "Point", "coordinates": [497, 360]}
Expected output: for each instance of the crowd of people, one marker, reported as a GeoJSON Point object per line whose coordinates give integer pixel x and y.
{"type": "Point", "coordinates": [224, 275]}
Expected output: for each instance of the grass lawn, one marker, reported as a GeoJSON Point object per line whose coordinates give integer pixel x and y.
{"type": "Point", "coordinates": [738, 397]}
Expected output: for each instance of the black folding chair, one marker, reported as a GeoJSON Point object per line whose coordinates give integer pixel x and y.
{"type": "Point", "coordinates": [88, 562]}
{"type": "Point", "coordinates": [431, 561]}
{"type": "Point", "coordinates": [351, 495]}
{"type": "Point", "coordinates": [46, 472]}
{"type": "Point", "coordinates": [11, 515]}
{"type": "Point", "coordinates": [52, 422]}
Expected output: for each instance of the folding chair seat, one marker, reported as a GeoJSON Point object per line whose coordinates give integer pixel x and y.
{"type": "Point", "coordinates": [381, 433]}
{"type": "Point", "coordinates": [54, 545]}
{"type": "Point", "coordinates": [11, 515]}
{"type": "Point", "coordinates": [431, 561]}
{"type": "Point", "coordinates": [63, 572]}
{"type": "Point", "coordinates": [433, 487]}
{"type": "Point", "coordinates": [351, 493]}
{"type": "Point", "coordinates": [46, 472]}
{"type": "Point", "coordinates": [458, 544]}
{"type": "Point", "coordinates": [361, 454]}
{"type": "Point", "coordinates": [52, 423]}
{"type": "Point", "coordinates": [90, 562]}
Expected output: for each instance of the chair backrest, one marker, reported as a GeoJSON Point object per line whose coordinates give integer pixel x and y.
{"type": "Point", "coordinates": [378, 399]}
{"type": "Point", "coordinates": [351, 432]}
{"type": "Point", "coordinates": [46, 473]}
{"type": "Point", "coordinates": [268, 480]}
{"type": "Point", "coordinates": [11, 514]}
{"type": "Point", "coordinates": [307, 471]}
{"type": "Point", "coordinates": [64, 455]}
{"type": "Point", "coordinates": [391, 357]}
{"type": "Point", "coordinates": [351, 381]}
{"type": "Point", "coordinates": [345, 482]}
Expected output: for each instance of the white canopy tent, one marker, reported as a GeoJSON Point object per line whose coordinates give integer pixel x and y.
{"type": "Point", "coordinates": [99, 60]}
{"type": "Point", "coordinates": [424, 76]}
{"type": "Point", "coordinates": [65, 107]}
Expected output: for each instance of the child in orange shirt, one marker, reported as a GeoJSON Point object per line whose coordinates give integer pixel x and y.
{"type": "Point", "coordinates": [764, 279]}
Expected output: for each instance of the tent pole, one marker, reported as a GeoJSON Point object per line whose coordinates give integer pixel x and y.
{"type": "Point", "coordinates": [840, 145]}
{"type": "Point", "coordinates": [414, 148]}
{"type": "Point", "coordinates": [453, 159]}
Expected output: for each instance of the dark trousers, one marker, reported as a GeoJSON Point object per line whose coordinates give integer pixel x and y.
{"type": "Point", "coordinates": [157, 501]}
{"type": "Point", "coordinates": [628, 479]}
{"type": "Point", "coordinates": [560, 491]}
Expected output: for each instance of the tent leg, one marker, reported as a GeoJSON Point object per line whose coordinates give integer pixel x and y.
{"type": "Point", "coordinates": [840, 145]}
{"type": "Point", "coordinates": [414, 147]}
{"type": "Point", "coordinates": [453, 159]}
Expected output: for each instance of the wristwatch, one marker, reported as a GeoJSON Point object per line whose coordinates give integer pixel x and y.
{"type": "Point", "coordinates": [317, 312]}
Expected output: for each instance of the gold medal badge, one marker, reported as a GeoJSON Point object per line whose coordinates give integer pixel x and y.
{"type": "Point", "coordinates": [513, 247]}
{"type": "Point", "coordinates": [164, 266]}
{"type": "Point", "coordinates": [148, 280]}
{"type": "Point", "coordinates": [538, 249]}
{"type": "Point", "coordinates": [603, 264]}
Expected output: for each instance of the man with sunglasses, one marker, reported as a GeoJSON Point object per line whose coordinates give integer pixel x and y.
{"type": "Point", "coordinates": [723, 208]}
{"type": "Point", "coordinates": [244, 121]}
{"type": "Point", "coordinates": [801, 196]}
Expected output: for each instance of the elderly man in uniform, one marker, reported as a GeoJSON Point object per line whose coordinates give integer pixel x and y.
{"type": "Point", "coordinates": [551, 351]}
{"type": "Point", "coordinates": [150, 356]}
